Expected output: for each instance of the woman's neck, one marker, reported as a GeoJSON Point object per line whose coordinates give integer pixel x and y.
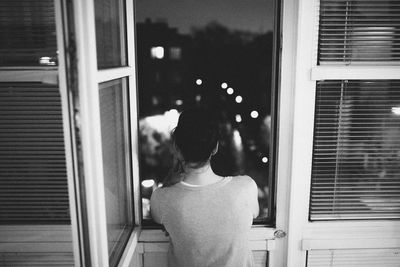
{"type": "Point", "coordinates": [200, 176]}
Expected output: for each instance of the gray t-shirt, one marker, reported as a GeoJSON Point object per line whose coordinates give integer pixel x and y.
{"type": "Point", "coordinates": [208, 225]}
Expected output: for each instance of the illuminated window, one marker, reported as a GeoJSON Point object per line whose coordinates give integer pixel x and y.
{"type": "Point", "coordinates": [175, 53]}
{"type": "Point", "coordinates": [157, 52]}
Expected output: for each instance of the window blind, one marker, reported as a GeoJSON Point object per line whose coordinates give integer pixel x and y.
{"type": "Point", "coordinates": [353, 258]}
{"type": "Point", "coordinates": [356, 152]}
{"type": "Point", "coordinates": [359, 32]}
{"type": "Point", "coordinates": [33, 178]}
{"type": "Point", "coordinates": [27, 33]}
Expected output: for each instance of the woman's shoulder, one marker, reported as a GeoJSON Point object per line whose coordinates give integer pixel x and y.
{"type": "Point", "coordinates": [161, 193]}
{"type": "Point", "coordinates": [244, 181]}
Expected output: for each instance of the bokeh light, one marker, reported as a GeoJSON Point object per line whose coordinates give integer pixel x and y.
{"type": "Point", "coordinates": [254, 114]}
{"type": "Point", "coordinates": [396, 110]}
{"type": "Point", "coordinates": [148, 183]}
{"type": "Point", "coordinates": [157, 52]}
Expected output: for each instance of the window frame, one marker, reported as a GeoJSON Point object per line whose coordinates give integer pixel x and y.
{"type": "Point", "coordinates": [322, 234]}
{"type": "Point", "coordinates": [262, 236]}
{"type": "Point", "coordinates": [88, 119]}
{"type": "Point", "coordinates": [274, 101]}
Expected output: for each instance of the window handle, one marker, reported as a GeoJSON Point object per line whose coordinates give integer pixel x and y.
{"type": "Point", "coordinates": [279, 234]}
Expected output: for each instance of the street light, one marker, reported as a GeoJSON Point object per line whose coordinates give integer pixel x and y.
{"type": "Point", "coordinates": [254, 114]}
{"type": "Point", "coordinates": [238, 118]}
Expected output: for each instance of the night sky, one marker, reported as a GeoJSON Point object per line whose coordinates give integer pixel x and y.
{"type": "Point", "coordinates": [249, 15]}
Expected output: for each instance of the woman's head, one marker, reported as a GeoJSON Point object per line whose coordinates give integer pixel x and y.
{"type": "Point", "coordinates": [196, 135]}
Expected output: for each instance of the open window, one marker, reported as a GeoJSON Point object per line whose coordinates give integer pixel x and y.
{"type": "Point", "coordinates": [195, 54]}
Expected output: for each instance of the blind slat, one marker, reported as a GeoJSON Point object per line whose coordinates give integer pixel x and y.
{"type": "Point", "coordinates": [356, 153]}
{"type": "Point", "coordinates": [33, 178]}
{"type": "Point", "coordinates": [359, 32]}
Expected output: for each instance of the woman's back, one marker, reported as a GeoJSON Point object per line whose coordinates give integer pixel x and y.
{"type": "Point", "coordinates": [208, 225]}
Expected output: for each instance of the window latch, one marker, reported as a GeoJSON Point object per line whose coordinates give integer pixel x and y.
{"type": "Point", "coordinates": [279, 234]}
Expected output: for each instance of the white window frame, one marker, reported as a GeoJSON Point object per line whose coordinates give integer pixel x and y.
{"type": "Point", "coordinates": [89, 78]}
{"type": "Point", "coordinates": [302, 234]}
{"type": "Point", "coordinates": [263, 237]}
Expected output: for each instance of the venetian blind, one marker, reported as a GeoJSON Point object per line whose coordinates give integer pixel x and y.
{"type": "Point", "coordinates": [356, 153]}
{"type": "Point", "coordinates": [27, 33]}
{"type": "Point", "coordinates": [353, 257]}
{"type": "Point", "coordinates": [359, 32]}
{"type": "Point", "coordinates": [33, 178]}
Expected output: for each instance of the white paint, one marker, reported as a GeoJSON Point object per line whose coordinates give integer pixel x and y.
{"type": "Point", "coordinates": [354, 72]}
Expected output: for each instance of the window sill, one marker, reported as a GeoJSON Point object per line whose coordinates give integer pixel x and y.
{"type": "Point", "coordinates": [130, 248]}
{"type": "Point", "coordinates": [155, 240]}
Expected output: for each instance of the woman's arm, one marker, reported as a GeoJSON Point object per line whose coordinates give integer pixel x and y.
{"type": "Point", "coordinates": [155, 206]}
{"type": "Point", "coordinates": [254, 198]}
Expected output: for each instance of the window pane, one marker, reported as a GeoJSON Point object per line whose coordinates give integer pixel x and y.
{"type": "Point", "coordinates": [115, 146]}
{"type": "Point", "coordinates": [27, 33]}
{"type": "Point", "coordinates": [35, 222]}
{"type": "Point", "coordinates": [359, 32]}
{"type": "Point", "coordinates": [356, 156]}
{"type": "Point", "coordinates": [110, 33]}
{"type": "Point", "coordinates": [198, 55]}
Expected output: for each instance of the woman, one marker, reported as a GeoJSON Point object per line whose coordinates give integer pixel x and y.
{"type": "Point", "coordinates": [208, 217]}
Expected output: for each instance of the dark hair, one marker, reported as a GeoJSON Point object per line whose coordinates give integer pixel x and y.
{"type": "Point", "coordinates": [195, 137]}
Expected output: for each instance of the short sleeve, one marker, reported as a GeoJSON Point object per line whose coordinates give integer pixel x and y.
{"type": "Point", "coordinates": [156, 206]}
{"type": "Point", "coordinates": [253, 196]}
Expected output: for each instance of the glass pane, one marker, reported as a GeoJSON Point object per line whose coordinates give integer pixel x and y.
{"type": "Point", "coordinates": [110, 33]}
{"type": "Point", "coordinates": [359, 32]}
{"type": "Point", "coordinates": [27, 33]}
{"type": "Point", "coordinates": [35, 226]}
{"type": "Point", "coordinates": [356, 155]}
{"type": "Point", "coordinates": [114, 132]}
{"type": "Point", "coordinates": [215, 55]}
